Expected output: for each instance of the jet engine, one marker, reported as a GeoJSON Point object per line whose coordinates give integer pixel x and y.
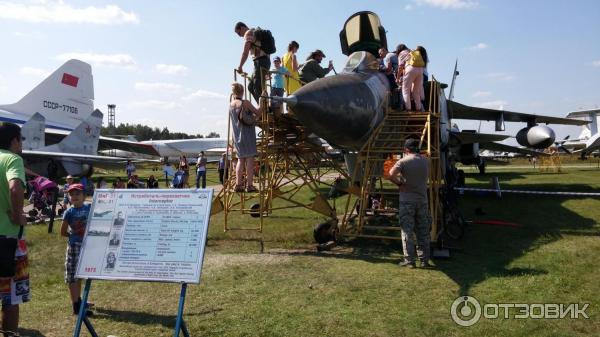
{"type": "Point", "coordinates": [537, 137]}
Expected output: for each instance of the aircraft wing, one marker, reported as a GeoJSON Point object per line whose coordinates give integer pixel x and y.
{"type": "Point", "coordinates": [461, 111]}
{"type": "Point", "coordinates": [70, 156]}
{"type": "Point", "coordinates": [106, 143]}
{"type": "Point", "coordinates": [508, 148]}
{"type": "Point", "coordinates": [473, 137]}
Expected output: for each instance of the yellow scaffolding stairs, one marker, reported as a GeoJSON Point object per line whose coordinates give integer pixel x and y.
{"type": "Point", "coordinates": [370, 203]}
{"type": "Point", "coordinates": [288, 160]}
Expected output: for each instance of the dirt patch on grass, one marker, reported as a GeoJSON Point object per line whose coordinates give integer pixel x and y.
{"type": "Point", "coordinates": [216, 261]}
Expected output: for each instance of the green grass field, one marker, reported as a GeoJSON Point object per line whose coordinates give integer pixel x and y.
{"type": "Point", "coordinates": [357, 289]}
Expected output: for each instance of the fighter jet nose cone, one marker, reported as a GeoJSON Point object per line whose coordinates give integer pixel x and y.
{"type": "Point", "coordinates": [291, 100]}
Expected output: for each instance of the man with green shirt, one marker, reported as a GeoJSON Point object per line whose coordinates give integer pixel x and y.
{"type": "Point", "coordinates": [14, 277]}
{"type": "Point", "coordinates": [311, 70]}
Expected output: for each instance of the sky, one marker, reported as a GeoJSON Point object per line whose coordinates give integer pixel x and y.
{"type": "Point", "coordinates": [170, 63]}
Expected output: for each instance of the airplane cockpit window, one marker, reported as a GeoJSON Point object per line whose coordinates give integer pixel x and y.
{"type": "Point", "coordinates": [361, 61]}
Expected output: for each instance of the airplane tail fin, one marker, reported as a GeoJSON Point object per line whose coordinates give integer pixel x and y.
{"type": "Point", "coordinates": [84, 138]}
{"type": "Point", "coordinates": [454, 75]}
{"type": "Point", "coordinates": [593, 116]}
{"type": "Point", "coordinates": [65, 97]}
{"type": "Point", "coordinates": [33, 132]}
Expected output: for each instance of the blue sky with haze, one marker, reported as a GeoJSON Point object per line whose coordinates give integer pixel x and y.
{"type": "Point", "coordinates": [170, 63]}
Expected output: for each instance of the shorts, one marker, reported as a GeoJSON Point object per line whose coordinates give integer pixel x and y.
{"type": "Point", "coordinates": [71, 259]}
{"type": "Point", "coordinates": [15, 290]}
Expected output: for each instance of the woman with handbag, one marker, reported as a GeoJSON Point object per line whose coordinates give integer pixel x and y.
{"type": "Point", "coordinates": [243, 116]}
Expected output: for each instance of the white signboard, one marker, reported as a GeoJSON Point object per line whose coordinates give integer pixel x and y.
{"type": "Point", "coordinates": [146, 235]}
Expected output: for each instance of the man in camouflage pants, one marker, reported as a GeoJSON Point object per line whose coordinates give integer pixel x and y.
{"type": "Point", "coordinates": [410, 173]}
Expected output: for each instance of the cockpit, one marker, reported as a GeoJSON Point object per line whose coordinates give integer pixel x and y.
{"type": "Point", "coordinates": [361, 61]}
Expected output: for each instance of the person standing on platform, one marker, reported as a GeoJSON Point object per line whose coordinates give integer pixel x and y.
{"type": "Point", "coordinates": [244, 139]}
{"type": "Point", "coordinates": [290, 63]}
{"type": "Point", "coordinates": [262, 62]}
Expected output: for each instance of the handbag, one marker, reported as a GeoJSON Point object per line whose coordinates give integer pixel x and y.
{"type": "Point", "coordinates": [8, 247]}
{"type": "Point", "coordinates": [246, 117]}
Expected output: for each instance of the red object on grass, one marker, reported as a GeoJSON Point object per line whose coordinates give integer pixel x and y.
{"type": "Point", "coordinates": [497, 223]}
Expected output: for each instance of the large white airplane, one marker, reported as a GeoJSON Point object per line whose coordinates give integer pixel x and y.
{"type": "Point", "coordinates": [65, 99]}
{"type": "Point", "coordinates": [588, 140]}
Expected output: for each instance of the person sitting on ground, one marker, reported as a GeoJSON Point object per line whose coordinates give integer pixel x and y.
{"type": "Point", "coordinates": [262, 62]}
{"type": "Point", "coordinates": [311, 70]}
{"type": "Point", "coordinates": [73, 226]}
{"type": "Point", "coordinates": [277, 83]}
{"type": "Point", "coordinates": [412, 83]}
{"type": "Point", "coordinates": [118, 183]}
{"type": "Point", "coordinates": [151, 182]}
{"type": "Point", "coordinates": [133, 182]}
{"type": "Point", "coordinates": [290, 63]}
{"type": "Point", "coordinates": [244, 138]}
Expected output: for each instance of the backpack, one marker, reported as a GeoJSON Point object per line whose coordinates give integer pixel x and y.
{"type": "Point", "coordinates": [416, 60]}
{"type": "Point", "coordinates": [267, 42]}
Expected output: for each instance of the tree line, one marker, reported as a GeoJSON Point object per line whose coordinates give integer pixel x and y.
{"type": "Point", "coordinates": [144, 132]}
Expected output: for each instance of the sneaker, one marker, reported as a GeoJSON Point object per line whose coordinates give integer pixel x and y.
{"type": "Point", "coordinates": [239, 188]}
{"type": "Point", "coordinates": [407, 264]}
{"type": "Point", "coordinates": [251, 189]}
{"type": "Point", "coordinates": [426, 264]}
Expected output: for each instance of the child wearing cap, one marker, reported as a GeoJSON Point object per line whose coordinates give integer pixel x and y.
{"type": "Point", "coordinates": [73, 227]}
{"type": "Point", "coordinates": [277, 84]}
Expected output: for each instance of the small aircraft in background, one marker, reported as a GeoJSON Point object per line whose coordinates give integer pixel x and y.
{"type": "Point", "coordinates": [588, 141]}
{"type": "Point", "coordinates": [76, 154]}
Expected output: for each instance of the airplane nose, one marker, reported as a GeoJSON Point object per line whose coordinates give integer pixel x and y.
{"type": "Point", "coordinates": [541, 136]}
{"type": "Point", "coordinates": [340, 109]}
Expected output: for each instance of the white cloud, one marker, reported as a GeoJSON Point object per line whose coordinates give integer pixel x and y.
{"type": "Point", "coordinates": [479, 46]}
{"type": "Point", "coordinates": [36, 72]}
{"type": "Point", "coordinates": [498, 104]}
{"type": "Point", "coordinates": [155, 104]}
{"type": "Point", "coordinates": [481, 94]}
{"type": "Point", "coordinates": [111, 60]}
{"type": "Point", "coordinates": [56, 11]}
{"type": "Point", "coordinates": [596, 64]}
{"type": "Point", "coordinates": [204, 94]}
{"type": "Point", "coordinates": [33, 35]}
{"type": "Point", "coordinates": [501, 76]}
{"type": "Point", "coordinates": [172, 69]}
{"type": "Point", "coordinates": [408, 7]}
{"type": "Point", "coordinates": [157, 86]}
{"type": "Point", "coordinates": [448, 4]}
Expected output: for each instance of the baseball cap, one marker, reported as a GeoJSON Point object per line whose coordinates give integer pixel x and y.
{"type": "Point", "coordinates": [412, 144]}
{"type": "Point", "coordinates": [75, 187]}
{"type": "Point", "coordinates": [277, 59]}
{"type": "Point", "coordinates": [69, 177]}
